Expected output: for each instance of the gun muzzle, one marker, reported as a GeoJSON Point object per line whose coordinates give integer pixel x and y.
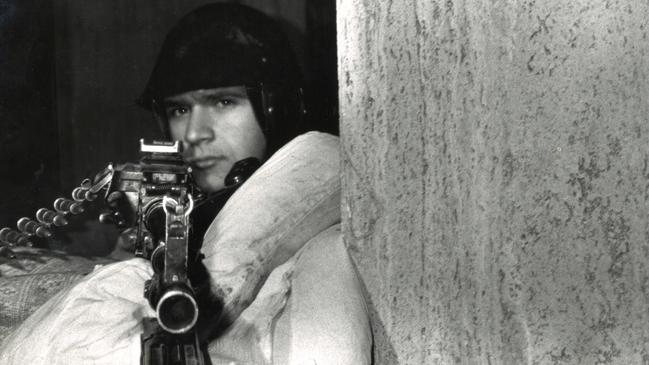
{"type": "Point", "coordinates": [177, 310]}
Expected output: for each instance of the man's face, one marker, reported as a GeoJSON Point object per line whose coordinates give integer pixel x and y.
{"type": "Point", "coordinates": [217, 128]}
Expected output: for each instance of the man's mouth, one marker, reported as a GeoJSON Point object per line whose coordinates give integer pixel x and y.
{"type": "Point", "coordinates": [203, 163]}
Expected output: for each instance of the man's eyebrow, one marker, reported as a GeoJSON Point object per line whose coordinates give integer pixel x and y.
{"type": "Point", "coordinates": [169, 103]}
{"type": "Point", "coordinates": [204, 96]}
{"type": "Point", "coordinates": [215, 95]}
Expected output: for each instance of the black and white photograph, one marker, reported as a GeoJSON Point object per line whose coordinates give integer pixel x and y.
{"type": "Point", "coordinates": [330, 182]}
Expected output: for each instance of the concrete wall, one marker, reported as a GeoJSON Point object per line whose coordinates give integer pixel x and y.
{"type": "Point", "coordinates": [496, 178]}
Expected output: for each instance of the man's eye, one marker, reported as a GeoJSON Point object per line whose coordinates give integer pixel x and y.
{"type": "Point", "coordinates": [175, 112]}
{"type": "Point", "coordinates": [224, 102]}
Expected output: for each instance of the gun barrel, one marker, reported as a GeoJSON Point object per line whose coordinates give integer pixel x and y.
{"type": "Point", "coordinates": [177, 310]}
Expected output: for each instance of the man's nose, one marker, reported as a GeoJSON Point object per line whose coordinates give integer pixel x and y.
{"type": "Point", "coordinates": [199, 127]}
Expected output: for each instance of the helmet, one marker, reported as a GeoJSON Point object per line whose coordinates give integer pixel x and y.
{"type": "Point", "coordinates": [225, 44]}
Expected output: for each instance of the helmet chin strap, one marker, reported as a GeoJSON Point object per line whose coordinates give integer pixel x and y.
{"type": "Point", "coordinates": [208, 205]}
{"type": "Point", "coordinates": [241, 171]}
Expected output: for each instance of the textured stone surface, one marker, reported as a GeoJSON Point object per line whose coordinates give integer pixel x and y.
{"type": "Point", "coordinates": [495, 171]}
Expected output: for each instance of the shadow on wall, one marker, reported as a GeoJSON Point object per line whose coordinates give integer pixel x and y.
{"type": "Point", "coordinates": [380, 338]}
{"type": "Point", "coordinates": [28, 141]}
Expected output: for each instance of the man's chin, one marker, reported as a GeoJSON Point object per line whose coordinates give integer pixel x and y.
{"type": "Point", "coordinates": [209, 184]}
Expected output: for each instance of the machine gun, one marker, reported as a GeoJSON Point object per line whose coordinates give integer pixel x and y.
{"type": "Point", "coordinates": [154, 199]}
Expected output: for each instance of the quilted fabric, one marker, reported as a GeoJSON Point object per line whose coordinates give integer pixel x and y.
{"type": "Point", "coordinates": [33, 277]}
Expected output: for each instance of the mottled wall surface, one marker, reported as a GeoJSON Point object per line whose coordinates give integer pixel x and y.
{"type": "Point", "coordinates": [496, 178]}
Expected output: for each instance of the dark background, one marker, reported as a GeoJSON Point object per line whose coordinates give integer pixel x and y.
{"type": "Point", "coordinates": [70, 71]}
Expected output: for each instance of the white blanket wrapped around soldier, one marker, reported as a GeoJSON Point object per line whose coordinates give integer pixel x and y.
{"type": "Point", "coordinates": [275, 245]}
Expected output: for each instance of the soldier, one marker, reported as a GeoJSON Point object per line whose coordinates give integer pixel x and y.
{"type": "Point", "coordinates": [227, 85]}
